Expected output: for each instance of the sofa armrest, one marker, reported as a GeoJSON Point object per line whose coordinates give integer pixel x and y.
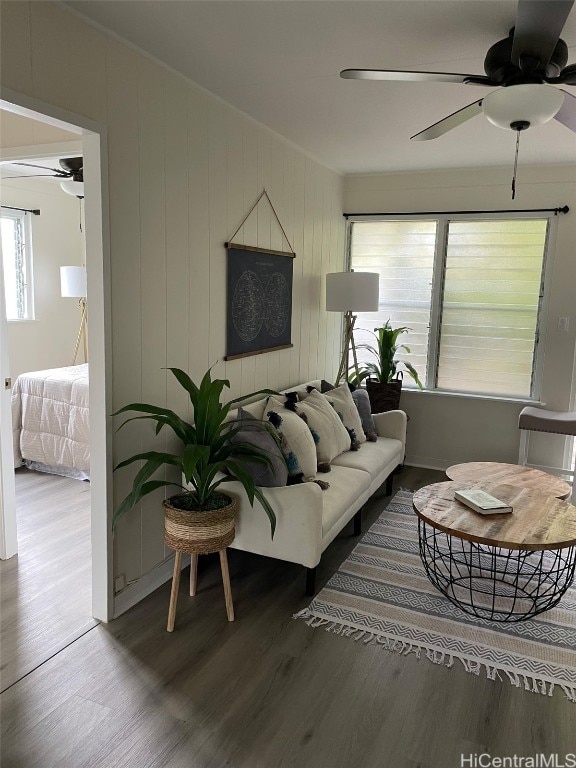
{"type": "Point", "coordinates": [298, 536]}
{"type": "Point", "coordinates": [391, 424]}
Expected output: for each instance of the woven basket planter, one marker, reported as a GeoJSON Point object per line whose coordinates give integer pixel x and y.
{"type": "Point", "coordinates": [384, 396]}
{"type": "Point", "coordinates": [199, 532]}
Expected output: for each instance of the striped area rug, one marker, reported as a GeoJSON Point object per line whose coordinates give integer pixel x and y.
{"type": "Point", "coordinates": [382, 595]}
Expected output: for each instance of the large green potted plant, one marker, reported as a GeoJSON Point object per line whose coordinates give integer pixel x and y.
{"type": "Point", "coordinates": [383, 376]}
{"type": "Point", "coordinates": [200, 519]}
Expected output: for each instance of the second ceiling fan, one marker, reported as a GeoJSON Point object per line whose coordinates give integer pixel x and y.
{"type": "Point", "coordinates": [71, 174]}
{"type": "Point", "coordinates": [525, 67]}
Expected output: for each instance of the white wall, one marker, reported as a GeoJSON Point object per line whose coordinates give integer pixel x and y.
{"type": "Point", "coordinates": [48, 340]}
{"type": "Point", "coordinates": [445, 429]}
{"type": "Point", "coordinates": [184, 168]}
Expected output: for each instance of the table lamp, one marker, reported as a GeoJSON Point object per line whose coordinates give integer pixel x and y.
{"type": "Point", "coordinates": [73, 286]}
{"type": "Point", "coordinates": [351, 292]}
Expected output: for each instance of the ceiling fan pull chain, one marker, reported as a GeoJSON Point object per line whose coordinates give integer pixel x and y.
{"type": "Point", "coordinates": [515, 164]}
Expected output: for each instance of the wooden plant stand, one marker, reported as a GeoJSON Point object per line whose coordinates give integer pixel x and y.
{"type": "Point", "coordinates": [194, 582]}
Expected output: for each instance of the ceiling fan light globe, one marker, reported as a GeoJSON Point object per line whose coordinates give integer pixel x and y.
{"type": "Point", "coordinates": [531, 103]}
{"type": "Point", "coordinates": [71, 187]}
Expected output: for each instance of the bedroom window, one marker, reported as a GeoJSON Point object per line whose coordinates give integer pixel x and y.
{"type": "Point", "coordinates": [17, 265]}
{"type": "Point", "coordinates": [470, 288]}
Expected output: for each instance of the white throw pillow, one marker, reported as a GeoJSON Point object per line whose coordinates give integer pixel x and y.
{"type": "Point", "coordinates": [255, 409]}
{"type": "Point", "coordinates": [330, 435]}
{"type": "Point", "coordinates": [296, 443]}
{"type": "Point", "coordinates": [341, 400]}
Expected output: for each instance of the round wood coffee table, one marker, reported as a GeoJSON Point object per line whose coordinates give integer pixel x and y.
{"type": "Point", "coordinates": [502, 567]}
{"type": "Point", "coordinates": [478, 472]}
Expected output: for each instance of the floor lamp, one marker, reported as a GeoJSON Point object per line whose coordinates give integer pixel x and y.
{"type": "Point", "coordinates": [351, 292]}
{"type": "Point", "coordinates": [73, 286]}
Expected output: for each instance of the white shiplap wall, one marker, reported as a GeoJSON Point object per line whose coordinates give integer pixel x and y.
{"type": "Point", "coordinates": [184, 168]}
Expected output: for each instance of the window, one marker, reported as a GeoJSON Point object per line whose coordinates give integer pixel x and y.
{"type": "Point", "coordinates": [17, 265]}
{"type": "Point", "coordinates": [470, 290]}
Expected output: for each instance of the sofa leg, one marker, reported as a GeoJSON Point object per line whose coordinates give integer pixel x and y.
{"type": "Point", "coordinates": [310, 581]}
{"type": "Point", "coordinates": [358, 522]}
{"type": "Point", "coordinates": [389, 482]}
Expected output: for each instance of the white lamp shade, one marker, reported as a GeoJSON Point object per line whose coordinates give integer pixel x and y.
{"type": "Point", "coordinates": [352, 291]}
{"type": "Point", "coordinates": [532, 103]}
{"type": "Point", "coordinates": [71, 187]}
{"type": "Point", "coordinates": [73, 282]}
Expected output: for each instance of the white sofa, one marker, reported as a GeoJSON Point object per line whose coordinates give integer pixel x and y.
{"type": "Point", "coordinates": [308, 518]}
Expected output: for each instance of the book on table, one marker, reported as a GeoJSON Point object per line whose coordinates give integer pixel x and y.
{"type": "Point", "coordinates": [482, 502]}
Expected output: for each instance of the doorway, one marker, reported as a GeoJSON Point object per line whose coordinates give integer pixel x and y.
{"type": "Point", "coordinates": [72, 511]}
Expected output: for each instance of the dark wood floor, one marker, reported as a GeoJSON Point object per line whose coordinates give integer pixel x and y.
{"type": "Point", "coordinates": [265, 691]}
{"type": "Point", "coordinates": [45, 590]}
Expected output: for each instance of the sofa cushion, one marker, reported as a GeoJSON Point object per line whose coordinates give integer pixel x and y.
{"type": "Point", "coordinates": [373, 457]}
{"type": "Point", "coordinates": [296, 443]}
{"type": "Point", "coordinates": [341, 400]}
{"type": "Point", "coordinates": [346, 487]}
{"type": "Point", "coordinates": [254, 432]}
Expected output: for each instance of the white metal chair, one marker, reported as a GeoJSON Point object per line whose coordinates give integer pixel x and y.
{"type": "Point", "coordinates": [542, 420]}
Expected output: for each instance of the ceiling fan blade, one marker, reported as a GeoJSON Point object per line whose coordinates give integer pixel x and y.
{"type": "Point", "coordinates": [567, 113]}
{"type": "Point", "coordinates": [539, 24]}
{"type": "Point", "coordinates": [58, 172]}
{"type": "Point", "coordinates": [567, 76]}
{"type": "Point", "coordinates": [450, 122]}
{"type": "Point", "coordinates": [402, 75]}
{"type": "Point", "coordinates": [30, 176]}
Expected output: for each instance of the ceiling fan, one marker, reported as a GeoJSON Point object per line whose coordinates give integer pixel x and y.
{"type": "Point", "coordinates": [525, 67]}
{"type": "Point", "coordinates": [71, 173]}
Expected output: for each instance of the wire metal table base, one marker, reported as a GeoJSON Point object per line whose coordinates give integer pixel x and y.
{"type": "Point", "coordinates": [493, 582]}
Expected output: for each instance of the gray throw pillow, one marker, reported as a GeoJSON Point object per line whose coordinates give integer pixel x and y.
{"type": "Point", "coordinates": [256, 433]}
{"type": "Point", "coordinates": [362, 401]}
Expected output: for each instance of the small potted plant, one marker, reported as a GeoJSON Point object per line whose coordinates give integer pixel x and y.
{"type": "Point", "coordinates": [201, 519]}
{"type": "Point", "coordinates": [382, 376]}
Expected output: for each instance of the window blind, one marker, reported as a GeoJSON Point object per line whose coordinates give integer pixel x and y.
{"type": "Point", "coordinates": [402, 253]}
{"type": "Point", "coordinates": [490, 303]}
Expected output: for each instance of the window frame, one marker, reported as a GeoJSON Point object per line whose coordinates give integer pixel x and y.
{"type": "Point", "coordinates": [437, 291]}
{"type": "Point", "coordinates": [25, 221]}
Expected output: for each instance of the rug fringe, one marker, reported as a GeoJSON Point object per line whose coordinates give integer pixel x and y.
{"type": "Point", "coordinates": [570, 692]}
{"type": "Point", "coordinates": [442, 658]}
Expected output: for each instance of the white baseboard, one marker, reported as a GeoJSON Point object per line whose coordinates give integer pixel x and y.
{"type": "Point", "coordinates": [145, 585]}
{"type": "Point", "coordinates": [426, 462]}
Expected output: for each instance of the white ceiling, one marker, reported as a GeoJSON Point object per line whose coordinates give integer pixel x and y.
{"type": "Point", "coordinates": [279, 61]}
{"type": "Point", "coordinates": [18, 132]}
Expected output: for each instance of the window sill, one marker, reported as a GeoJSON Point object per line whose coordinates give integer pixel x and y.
{"type": "Point", "coordinates": [474, 396]}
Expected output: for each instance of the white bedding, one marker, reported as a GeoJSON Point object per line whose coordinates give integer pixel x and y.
{"type": "Point", "coordinates": [50, 420]}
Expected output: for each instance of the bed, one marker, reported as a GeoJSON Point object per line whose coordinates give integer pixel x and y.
{"type": "Point", "coordinates": [50, 421]}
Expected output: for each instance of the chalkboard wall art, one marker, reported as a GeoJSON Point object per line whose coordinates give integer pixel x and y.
{"type": "Point", "coordinates": [258, 301]}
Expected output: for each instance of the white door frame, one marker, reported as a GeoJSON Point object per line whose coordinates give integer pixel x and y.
{"type": "Point", "coordinates": [99, 337]}
{"type": "Point", "coordinates": [8, 533]}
